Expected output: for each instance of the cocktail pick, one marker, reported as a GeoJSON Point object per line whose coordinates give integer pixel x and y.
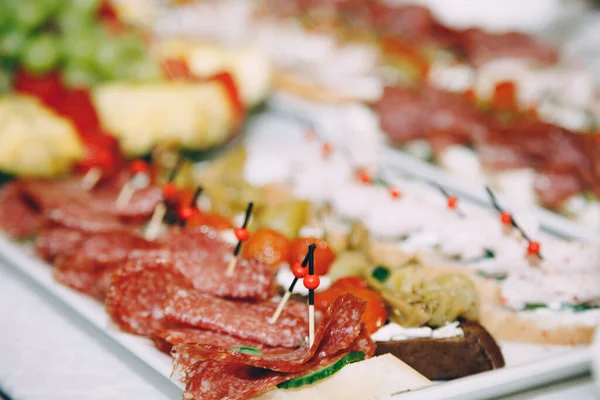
{"type": "Point", "coordinates": [300, 271]}
{"type": "Point", "coordinates": [242, 235]}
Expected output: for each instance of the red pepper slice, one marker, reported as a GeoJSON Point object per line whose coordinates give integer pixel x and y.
{"type": "Point", "coordinates": [48, 88]}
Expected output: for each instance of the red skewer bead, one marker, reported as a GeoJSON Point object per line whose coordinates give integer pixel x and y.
{"type": "Point", "coordinates": [169, 190]}
{"type": "Point", "coordinates": [299, 271]}
{"type": "Point", "coordinates": [241, 234]}
{"type": "Point", "coordinates": [533, 248]}
{"type": "Point", "coordinates": [327, 149]}
{"type": "Point", "coordinates": [311, 282]}
{"type": "Point", "coordinates": [139, 167]}
{"type": "Point", "coordinates": [395, 193]}
{"type": "Point", "coordinates": [505, 218]}
{"type": "Point", "coordinates": [452, 202]}
{"type": "Point", "coordinates": [364, 177]}
{"type": "Point", "coordinates": [186, 212]}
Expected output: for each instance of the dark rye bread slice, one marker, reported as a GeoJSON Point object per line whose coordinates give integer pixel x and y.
{"type": "Point", "coordinates": [442, 359]}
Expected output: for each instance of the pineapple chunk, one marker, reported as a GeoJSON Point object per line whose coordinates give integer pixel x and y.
{"type": "Point", "coordinates": [34, 141]}
{"type": "Point", "coordinates": [250, 68]}
{"type": "Point", "coordinates": [190, 115]}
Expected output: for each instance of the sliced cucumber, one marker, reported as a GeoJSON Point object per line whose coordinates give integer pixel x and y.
{"type": "Point", "coordinates": [247, 350]}
{"type": "Point", "coordinates": [323, 373]}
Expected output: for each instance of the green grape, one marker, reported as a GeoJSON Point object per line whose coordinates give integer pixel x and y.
{"type": "Point", "coordinates": [133, 45]}
{"type": "Point", "coordinates": [89, 7]}
{"type": "Point", "coordinates": [5, 81]}
{"type": "Point", "coordinates": [140, 70]}
{"type": "Point", "coordinates": [5, 16]}
{"type": "Point", "coordinates": [30, 14]}
{"type": "Point", "coordinates": [41, 54]}
{"type": "Point", "coordinates": [11, 43]}
{"type": "Point", "coordinates": [109, 58]}
{"type": "Point", "coordinates": [80, 49]}
{"type": "Point", "coordinates": [71, 22]}
{"type": "Point", "coordinates": [76, 76]}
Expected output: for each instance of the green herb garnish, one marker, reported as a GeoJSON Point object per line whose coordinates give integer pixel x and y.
{"type": "Point", "coordinates": [498, 276]}
{"type": "Point", "coordinates": [564, 307]}
{"type": "Point", "coordinates": [381, 273]}
{"type": "Point", "coordinates": [247, 350]}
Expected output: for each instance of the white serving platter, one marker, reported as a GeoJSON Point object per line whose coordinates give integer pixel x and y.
{"type": "Point", "coordinates": [527, 365]}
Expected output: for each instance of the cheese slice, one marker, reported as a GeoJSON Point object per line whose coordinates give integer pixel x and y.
{"type": "Point", "coordinates": [376, 378]}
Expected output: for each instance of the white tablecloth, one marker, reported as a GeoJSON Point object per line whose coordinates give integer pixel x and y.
{"type": "Point", "coordinates": [48, 353]}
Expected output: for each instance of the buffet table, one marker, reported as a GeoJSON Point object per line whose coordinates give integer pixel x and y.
{"type": "Point", "coordinates": [50, 353]}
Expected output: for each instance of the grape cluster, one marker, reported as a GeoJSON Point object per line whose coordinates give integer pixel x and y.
{"type": "Point", "coordinates": [41, 36]}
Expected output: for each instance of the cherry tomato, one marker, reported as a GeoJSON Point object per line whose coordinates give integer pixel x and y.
{"type": "Point", "coordinates": [350, 283]}
{"type": "Point", "coordinates": [323, 299]}
{"type": "Point", "coordinates": [505, 97]}
{"type": "Point", "coordinates": [212, 220]}
{"type": "Point", "coordinates": [324, 256]}
{"type": "Point", "coordinates": [48, 88]}
{"type": "Point", "coordinates": [268, 246]}
{"type": "Point", "coordinates": [375, 313]}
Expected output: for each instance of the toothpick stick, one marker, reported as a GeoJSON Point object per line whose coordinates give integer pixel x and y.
{"type": "Point", "coordinates": [153, 229]}
{"type": "Point", "coordinates": [242, 235]}
{"type": "Point", "coordinates": [533, 246]}
{"type": "Point", "coordinates": [311, 282]}
{"type": "Point", "coordinates": [125, 195]}
{"type": "Point", "coordinates": [298, 273]}
{"type": "Point", "coordinates": [91, 178]}
{"type": "Point", "coordinates": [452, 200]}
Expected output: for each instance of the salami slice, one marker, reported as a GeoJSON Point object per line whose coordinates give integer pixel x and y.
{"type": "Point", "coordinates": [17, 218]}
{"type": "Point", "coordinates": [185, 356]}
{"type": "Point", "coordinates": [55, 241]}
{"type": "Point", "coordinates": [137, 293]}
{"type": "Point", "coordinates": [340, 328]}
{"type": "Point", "coordinates": [212, 380]}
{"type": "Point", "coordinates": [241, 319]}
{"type": "Point", "coordinates": [203, 259]}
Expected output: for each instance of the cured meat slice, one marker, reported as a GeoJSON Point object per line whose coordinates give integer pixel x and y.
{"type": "Point", "coordinates": [55, 241]}
{"type": "Point", "coordinates": [137, 293]}
{"type": "Point", "coordinates": [203, 259]}
{"type": "Point", "coordinates": [420, 113]}
{"type": "Point", "coordinates": [17, 218]}
{"type": "Point", "coordinates": [76, 214]}
{"type": "Point", "coordinates": [339, 329]}
{"type": "Point", "coordinates": [479, 47]}
{"type": "Point", "coordinates": [552, 188]}
{"type": "Point", "coordinates": [101, 202]}
{"type": "Point", "coordinates": [241, 319]}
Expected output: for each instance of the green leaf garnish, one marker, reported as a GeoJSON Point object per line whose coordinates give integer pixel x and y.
{"type": "Point", "coordinates": [247, 350]}
{"type": "Point", "coordinates": [381, 273]}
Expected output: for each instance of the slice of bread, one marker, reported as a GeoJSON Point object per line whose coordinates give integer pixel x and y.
{"type": "Point", "coordinates": [450, 358]}
{"type": "Point", "coordinates": [375, 378]}
{"type": "Point", "coordinates": [528, 327]}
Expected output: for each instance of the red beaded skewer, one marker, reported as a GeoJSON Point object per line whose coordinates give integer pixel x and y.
{"type": "Point", "coordinates": [533, 247]}
{"type": "Point", "coordinates": [169, 191]}
{"type": "Point", "coordinates": [311, 282]}
{"type": "Point", "coordinates": [140, 171]}
{"type": "Point", "coordinates": [242, 235]}
{"type": "Point", "coordinates": [299, 270]}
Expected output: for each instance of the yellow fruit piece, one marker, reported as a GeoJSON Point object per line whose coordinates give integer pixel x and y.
{"type": "Point", "coordinates": [190, 115]}
{"type": "Point", "coordinates": [250, 68]}
{"type": "Point", "coordinates": [34, 141]}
